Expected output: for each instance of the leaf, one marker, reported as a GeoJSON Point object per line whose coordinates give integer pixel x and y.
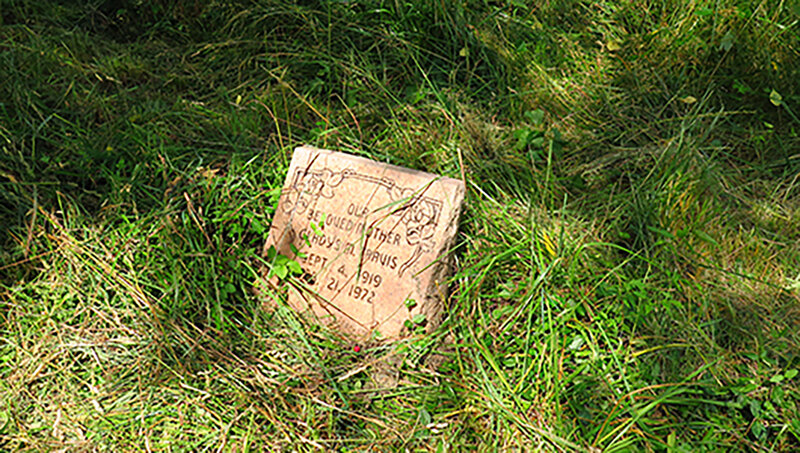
{"type": "Point", "coordinates": [795, 425]}
{"type": "Point", "coordinates": [522, 138]}
{"type": "Point", "coordinates": [688, 100]}
{"type": "Point", "coordinates": [498, 313]}
{"type": "Point", "coordinates": [726, 43]}
{"type": "Point", "coordinates": [522, 134]}
{"type": "Point", "coordinates": [281, 271]}
{"type": "Point", "coordinates": [775, 98]}
{"type": "Point", "coordinates": [5, 418]}
{"type": "Point", "coordinates": [790, 374]}
{"type": "Point", "coordinates": [755, 407]}
{"type": "Point", "coordinates": [776, 379]}
{"type": "Point", "coordinates": [661, 232]}
{"type": "Point", "coordinates": [758, 430]}
{"type": "Point", "coordinates": [464, 52]}
{"type": "Point", "coordinates": [613, 45]}
{"type": "Point", "coordinates": [744, 389]}
{"type": "Point", "coordinates": [705, 237]}
{"type": "Point", "coordinates": [742, 88]}
{"type": "Point", "coordinates": [535, 116]}
{"type": "Point", "coordinates": [229, 288]}
{"type": "Point", "coordinates": [410, 303]}
{"type": "Point", "coordinates": [258, 227]}
{"type": "Point", "coordinates": [419, 319]}
{"type": "Point", "coordinates": [424, 417]}
{"type": "Point", "coordinates": [294, 266]}
{"type": "Point", "coordinates": [576, 343]}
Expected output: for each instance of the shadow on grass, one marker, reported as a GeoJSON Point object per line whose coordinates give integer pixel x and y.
{"type": "Point", "coordinates": [112, 104]}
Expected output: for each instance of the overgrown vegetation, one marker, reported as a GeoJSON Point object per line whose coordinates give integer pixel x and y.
{"type": "Point", "coordinates": [628, 268]}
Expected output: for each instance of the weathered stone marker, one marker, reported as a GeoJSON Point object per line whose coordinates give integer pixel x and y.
{"type": "Point", "coordinates": [372, 240]}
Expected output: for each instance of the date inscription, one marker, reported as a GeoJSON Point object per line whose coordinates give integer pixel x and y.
{"type": "Point", "coordinates": [363, 289]}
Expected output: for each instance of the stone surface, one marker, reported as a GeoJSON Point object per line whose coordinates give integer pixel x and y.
{"type": "Point", "coordinates": [370, 238]}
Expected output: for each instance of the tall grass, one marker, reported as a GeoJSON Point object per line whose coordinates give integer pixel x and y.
{"type": "Point", "coordinates": [626, 269]}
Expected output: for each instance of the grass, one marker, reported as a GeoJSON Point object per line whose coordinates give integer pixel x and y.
{"type": "Point", "coordinates": [627, 262]}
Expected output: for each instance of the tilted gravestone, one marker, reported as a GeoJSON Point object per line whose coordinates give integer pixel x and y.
{"type": "Point", "coordinates": [372, 240]}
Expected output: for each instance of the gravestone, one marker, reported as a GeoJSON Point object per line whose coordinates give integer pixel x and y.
{"type": "Point", "coordinates": [372, 240]}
